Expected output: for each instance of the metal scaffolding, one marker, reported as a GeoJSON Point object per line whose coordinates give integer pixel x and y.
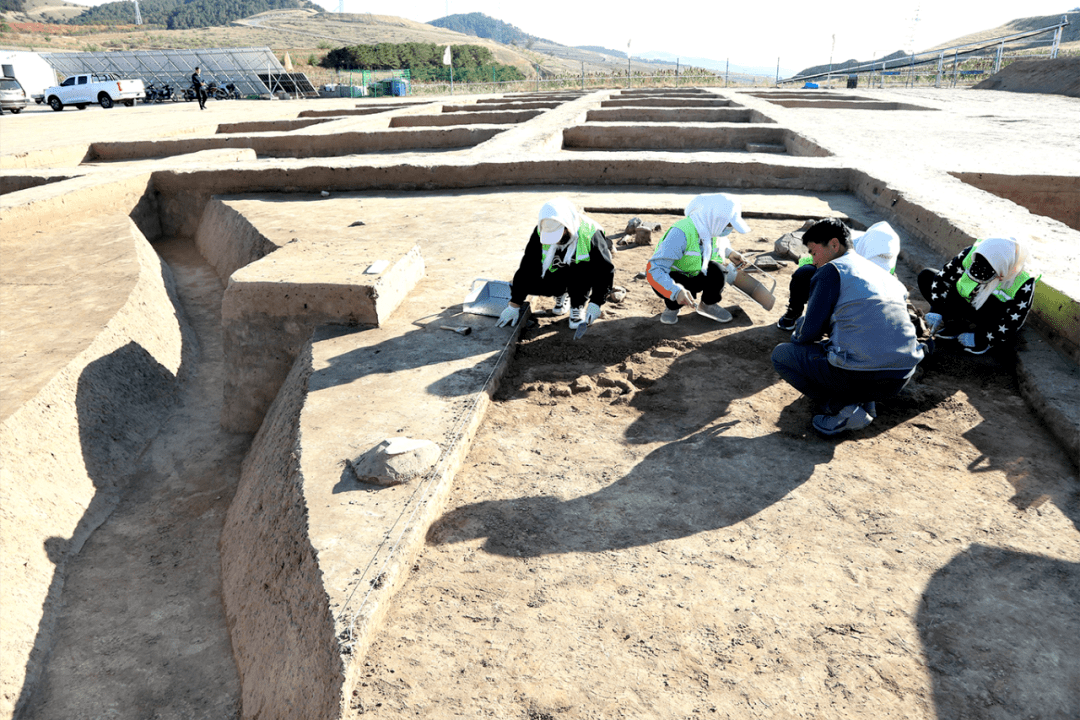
{"type": "Point", "coordinates": [254, 71]}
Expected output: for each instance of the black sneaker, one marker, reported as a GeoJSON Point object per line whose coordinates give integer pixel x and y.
{"type": "Point", "coordinates": [787, 322]}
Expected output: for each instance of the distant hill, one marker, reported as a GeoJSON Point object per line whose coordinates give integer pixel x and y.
{"type": "Point", "coordinates": [715, 65]}
{"type": "Point", "coordinates": [181, 14]}
{"type": "Point", "coordinates": [482, 26]}
{"type": "Point", "coordinates": [1069, 37]}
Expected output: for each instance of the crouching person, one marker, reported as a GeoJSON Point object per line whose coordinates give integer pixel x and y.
{"type": "Point", "coordinates": [983, 294]}
{"type": "Point", "coordinates": [856, 344]}
{"type": "Point", "coordinates": [568, 257]}
{"type": "Point", "coordinates": [692, 256]}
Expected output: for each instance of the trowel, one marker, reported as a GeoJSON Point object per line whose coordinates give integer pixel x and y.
{"type": "Point", "coordinates": [581, 330]}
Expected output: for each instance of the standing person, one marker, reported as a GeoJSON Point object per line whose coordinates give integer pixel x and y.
{"type": "Point", "coordinates": [871, 350]}
{"type": "Point", "coordinates": [984, 286]}
{"type": "Point", "coordinates": [199, 87]}
{"type": "Point", "coordinates": [879, 244]}
{"type": "Point", "coordinates": [568, 257]}
{"type": "Point", "coordinates": [690, 258]}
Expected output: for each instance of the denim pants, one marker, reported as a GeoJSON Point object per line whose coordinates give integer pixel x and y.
{"type": "Point", "coordinates": [806, 368]}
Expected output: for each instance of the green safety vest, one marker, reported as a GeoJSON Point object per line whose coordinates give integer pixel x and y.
{"type": "Point", "coordinates": [585, 234]}
{"type": "Point", "coordinates": [690, 263]}
{"type": "Point", "coordinates": [967, 285]}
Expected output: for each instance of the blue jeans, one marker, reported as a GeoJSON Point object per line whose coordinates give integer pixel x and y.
{"type": "Point", "coordinates": [806, 368]}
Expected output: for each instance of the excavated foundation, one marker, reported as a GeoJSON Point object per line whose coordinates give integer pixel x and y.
{"type": "Point", "coordinates": [327, 356]}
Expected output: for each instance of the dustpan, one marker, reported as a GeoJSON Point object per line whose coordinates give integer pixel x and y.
{"type": "Point", "coordinates": [487, 297]}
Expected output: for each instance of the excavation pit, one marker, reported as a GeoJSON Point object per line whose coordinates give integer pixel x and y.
{"type": "Point", "coordinates": [1052, 196]}
{"type": "Point", "coordinates": [690, 138]}
{"type": "Point", "coordinates": [677, 115]}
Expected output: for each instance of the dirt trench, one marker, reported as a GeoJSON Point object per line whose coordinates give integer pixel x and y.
{"type": "Point", "coordinates": [142, 632]}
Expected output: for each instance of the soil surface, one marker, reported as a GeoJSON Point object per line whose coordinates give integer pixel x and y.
{"type": "Point", "coordinates": [648, 527]}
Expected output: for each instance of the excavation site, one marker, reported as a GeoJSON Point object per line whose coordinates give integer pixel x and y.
{"type": "Point", "coordinates": [214, 323]}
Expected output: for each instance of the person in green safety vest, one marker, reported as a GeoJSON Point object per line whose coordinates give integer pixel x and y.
{"type": "Point", "coordinates": [693, 257]}
{"type": "Point", "coordinates": [983, 294]}
{"type": "Point", "coordinates": [568, 257]}
{"type": "Point", "coordinates": [879, 244]}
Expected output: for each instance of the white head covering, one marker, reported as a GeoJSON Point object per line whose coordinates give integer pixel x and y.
{"type": "Point", "coordinates": [879, 244]}
{"type": "Point", "coordinates": [711, 214]}
{"type": "Point", "coordinates": [1007, 255]}
{"type": "Point", "coordinates": [557, 216]}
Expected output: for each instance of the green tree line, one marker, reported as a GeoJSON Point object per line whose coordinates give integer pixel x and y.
{"type": "Point", "coordinates": [480, 25]}
{"type": "Point", "coordinates": [182, 14]}
{"type": "Point", "coordinates": [472, 63]}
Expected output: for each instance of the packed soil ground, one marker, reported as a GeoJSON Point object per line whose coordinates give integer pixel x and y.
{"type": "Point", "coordinates": [648, 527]}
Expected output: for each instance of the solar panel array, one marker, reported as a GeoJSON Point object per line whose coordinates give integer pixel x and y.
{"type": "Point", "coordinates": [254, 71]}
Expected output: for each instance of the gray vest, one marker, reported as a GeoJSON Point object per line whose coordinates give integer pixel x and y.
{"type": "Point", "coordinates": [871, 329]}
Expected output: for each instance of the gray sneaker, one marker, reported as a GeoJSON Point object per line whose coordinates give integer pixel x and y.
{"type": "Point", "coordinates": [714, 312]}
{"type": "Point", "coordinates": [669, 317]}
{"type": "Point", "coordinates": [852, 417]}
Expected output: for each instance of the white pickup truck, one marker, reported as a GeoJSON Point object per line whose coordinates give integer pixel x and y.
{"type": "Point", "coordinates": [106, 89]}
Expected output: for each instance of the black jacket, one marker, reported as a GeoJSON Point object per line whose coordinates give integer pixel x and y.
{"type": "Point", "coordinates": [599, 269]}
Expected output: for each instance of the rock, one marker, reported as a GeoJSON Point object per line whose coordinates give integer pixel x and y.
{"type": "Point", "coordinates": [609, 392]}
{"type": "Point", "coordinates": [630, 374]}
{"type": "Point", "coordinates": [560, 391]}
{"type": "Point", "coordinates": [358, 223]}
{"type": "Point", "coordinates": [582, 384]}
{"type": "Point", "coordinates": [767, 262]}
{"type": "Point", "coordinates": [631, 226]}
{"type": "Point", "coordinates": [395, 461]}
{"type": "Point", "coordinates": [643, 236]}
{"type": "Point", "coordinates": [640, 276]}
{"type": "Point", "coordinates": [664, 352]}
{"type": "Point", "coordinates": [616, 294]}
{"type": "Point", "coordinates": [789, 246]}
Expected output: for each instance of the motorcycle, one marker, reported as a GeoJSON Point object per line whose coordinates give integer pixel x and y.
{"type": "Point", "coordinates": [165, 92]}
{"type": "Point", "coordinates": [151, 92]}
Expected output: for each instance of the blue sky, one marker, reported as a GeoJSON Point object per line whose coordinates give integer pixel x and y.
{"type": "Point", "coordinates": [748, 34]}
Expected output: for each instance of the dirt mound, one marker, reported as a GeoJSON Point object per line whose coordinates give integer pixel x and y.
{"type": "Point", "coordinates": [1060, 76]}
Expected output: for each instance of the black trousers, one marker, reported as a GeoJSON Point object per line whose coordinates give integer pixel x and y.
{"type": "Point", "coordinates": [572, 279]}
{"type": "Point", "coordinates": [799, 289]}
{"type": "Point", "coordinates": [711, 285]}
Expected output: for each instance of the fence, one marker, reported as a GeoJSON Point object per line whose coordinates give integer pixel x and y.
{"type": "Point", "coordinates": [959, 65]}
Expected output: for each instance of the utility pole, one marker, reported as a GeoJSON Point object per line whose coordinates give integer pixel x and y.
{"type": "Point", "coordinates": [628, 63]}
{"type": "Point", "coordinates": [832, 50]}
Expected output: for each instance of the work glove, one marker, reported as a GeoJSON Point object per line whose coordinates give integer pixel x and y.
{"type": "Point", "coordinates": [683, 296]}
{"type": "Point", "coordinates": [591, 313]}
{"type": "Point", "coordinates": [730, 273]}
{"type": "Point", "coordinates": [509, 317]}
{"type": "Point", "coordinates": [737, 259]}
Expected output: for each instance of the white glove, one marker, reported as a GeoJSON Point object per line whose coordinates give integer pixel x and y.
{"type": "Point", "coordinates": [730, 273]}
{"type": "Point", "coordinates": [591, 313]}
{"type": "Point", "coordinates": [683, 296]}
{"type": "Point", "coordinates": [509, 316]}
{"type": "Point", "coordinates": [966, 339]}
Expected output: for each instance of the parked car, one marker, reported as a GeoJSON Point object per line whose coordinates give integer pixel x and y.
{"type": "Point", "coordinates": [106, 89]}
{"type": "Point", "coordinates": [12, 95]}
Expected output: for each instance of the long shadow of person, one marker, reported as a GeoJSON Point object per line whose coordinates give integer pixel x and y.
{"type": "Point", "coordinates": [999, 630]}
{"type": "Point", "coordinates": [999, 627]}
{"type": "Point", "coordinates": [707, 481]}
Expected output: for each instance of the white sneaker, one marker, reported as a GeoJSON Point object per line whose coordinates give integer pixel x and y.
{"type": "Point", "coordinates": [669, 317]}
{"type": "Point", "coordinates": [561, 304]}
{"type": "Point", "coordinates": [577, 316]}
{"type": "Point", "coordinates": [714, 312]}
{"type": "Point", "coordinates": [852, 417]}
